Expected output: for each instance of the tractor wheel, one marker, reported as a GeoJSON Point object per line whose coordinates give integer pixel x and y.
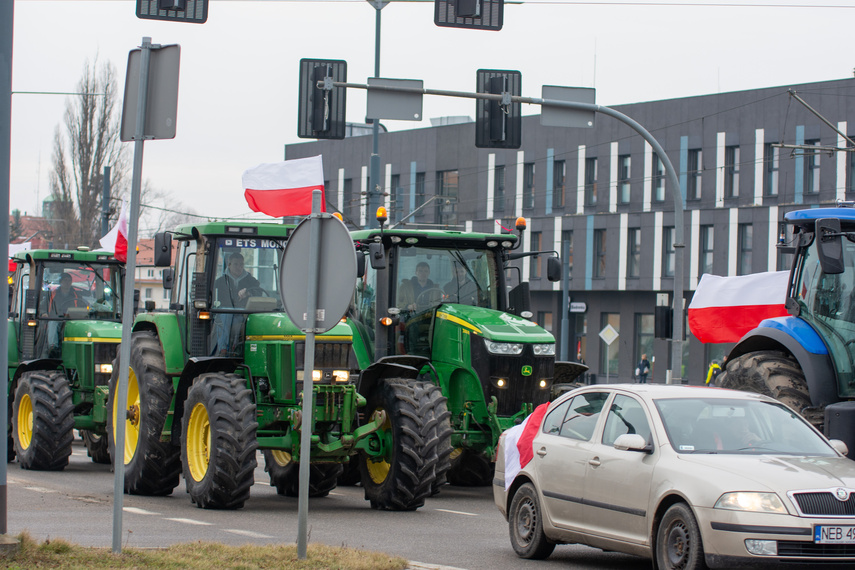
{"type": "Point", "coordinates": [96, 446]}
{"type": "Point", "coordinates": [285, 474]}
{"type": "Point", "coordinates": [10, 441]}
{"type": "Point", "coordinates": [401, 478]}
{"type": "Point", "coordinates": [470, 469]}
{"type": "Point", "coordinates": [771, 373]}
{"type": "Point", "coordinates": [218, 441]}
{"type": "Point", "coordinates": [435, 407]}
{"type": "Point", "coordinates": [43, 420]}
{"type": "Point", "coordinates": [152, 466]}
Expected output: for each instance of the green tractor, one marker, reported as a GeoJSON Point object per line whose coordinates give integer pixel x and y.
{"type": "Point", "coordinates": [219, 376]}
{"type": "Point", "coordinates": [64, 332]}
{"type": "Point", "coordinates": [435, 303]}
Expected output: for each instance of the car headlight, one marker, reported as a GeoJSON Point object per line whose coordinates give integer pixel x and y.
{"type": "Point", "coordinates": [753, 502]}
{"type": "Point", "coordinates": [503, 347]}
{"type": "Point", "coordinates": [544, 349]}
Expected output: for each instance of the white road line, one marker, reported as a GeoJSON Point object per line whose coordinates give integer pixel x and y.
{"type": "Point", "coordinates": [190, 521]}
{"type": "Point", "coordinates": [39, 489]}
{"type": "Point", "coordinates": [137, 511]}
{"type": "Point", "coordinates": [247, 533]}
{"type": "Point", "coordinates": [457, 512]}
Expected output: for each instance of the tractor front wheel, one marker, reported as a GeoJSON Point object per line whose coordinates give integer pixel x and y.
{"type": "Point", "coordinates": [43, 420]}
{"type": "Point", "coordinates": [285, 474]}
{"type": "Point", "coordinates": [96, 446]}
{"type": "Point", "coordinates": [219, 445]}
{"type": "Point", "coordinates": [470, 469]}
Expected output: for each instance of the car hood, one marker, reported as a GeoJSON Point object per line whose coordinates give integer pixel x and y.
{"type": "Point", "coordinates": [779, 473]}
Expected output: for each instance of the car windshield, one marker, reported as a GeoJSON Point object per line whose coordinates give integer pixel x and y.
{"type": "Point", "coordinates": [246, 275]}
{"type": "Point", "coordinates": [720, 425]}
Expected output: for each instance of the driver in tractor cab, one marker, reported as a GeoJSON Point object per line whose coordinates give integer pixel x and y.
{"type": "Point", "coordinates": [62, 298]}
{"type": "Point", "coordinates": [411, 289]}
{"type": "Point", "coordinates": [232, 290]}
{"type": "Point", "coordinates": [413, 295]}
{"type": "Point", "coordinates": [461, 289]}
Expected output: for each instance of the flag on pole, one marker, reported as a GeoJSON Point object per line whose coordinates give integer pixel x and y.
{"type": "Point", "coordinates": [723, 309]}
{"type": "Point", "coordinates": [116, 240]}
{"type": "Point", "coordinates": [518, 443]}
{"type": "Point", "coordinates": [284, 188]}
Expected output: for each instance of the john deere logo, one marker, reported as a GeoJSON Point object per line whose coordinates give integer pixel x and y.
{"type": "Point", "coordinates": [526, 370]}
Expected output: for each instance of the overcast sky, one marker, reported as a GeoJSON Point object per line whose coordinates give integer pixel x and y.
{"type": "Point", "coordinates": [239, 71]}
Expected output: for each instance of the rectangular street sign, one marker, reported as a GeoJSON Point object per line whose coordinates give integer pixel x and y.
{"type": "Point", "coordinates": [192, 11]}
{"type": "Point", "coordinates": [162, 104]}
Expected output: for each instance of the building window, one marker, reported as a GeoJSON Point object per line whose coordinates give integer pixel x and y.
{"type": "Point", "coordinates": [633, 254]}
{"type": "Point", "coordinates": [624, 164]}
{"type": "Point", "coordinates": [567, 237]}
{"type": "Point", "coordinates": [528, 185]}
{"type": "Point", "coordinates": [610, 353]}
{"type": "Point", "coordinates": [705, 261]}
{"type": "Point", "coordinates": [558, 181]}
{"type": "Point", "coordinates": [447, 184]}
{"type": "Point", "coordinates": [746, 244]}
{"type": "Point", "coordinates": [811, 168]}
{"type": "Point", "coordinates": [499, 191]}
{"type": "Point", "coordinates": [599, 253]}
{"type": "Point", "coordinates": [347, 201]}
{"type": "Point", "coordinates": [150, 273]}
{"type": "Point", "coordinates": [420, 192]}
{"type": "Point", "coordinates": [544, 319]}
{"type": "Point", "coordinates": [731, 171]}
{"type": "Point", "coordinates": [850, 161]}
{"type": "Point", "coordinates": [784, 259]}
{"type": "Point", "coordinates": [772, 162]}
{"type": "Point", "coordinates": [536, 267]}
{"type": "Point", "coordinates": [591, 180]}
{"type": "Point", "coordinates": [397, 198]}
{"type": "Point", "coordinates": [658, 179]}
{"type": "Point", "coordinates": [166, 293]}
{"type": "Point", "coordinates": [694, 174]}
{"type": "Point", "coordinates": [644, 337]}
{"type": "Point", "coordinates": [668, 252]}
{"type": "Point", "coordinates": [148, 292]}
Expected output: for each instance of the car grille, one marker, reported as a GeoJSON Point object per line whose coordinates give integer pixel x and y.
{"type": "Point", "coordinates": [799, 548]}
{"type": "Point", "coordinates": [328, 355]}
{"type": "Point", "coordinates": [824, 504]}
{"type": "Point", "coordinates": [520, 389]}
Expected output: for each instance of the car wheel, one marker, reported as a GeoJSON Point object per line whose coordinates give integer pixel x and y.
{"type": "Point", "coordinates": [525, 523]}
{"type": "Point", "coordinates": [678, 540]}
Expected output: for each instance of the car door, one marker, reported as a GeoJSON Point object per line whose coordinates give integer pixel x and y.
{"type": "Point", "coordinates": [561, 453]}
{"type": "Point", "coordinates": [617, 482]}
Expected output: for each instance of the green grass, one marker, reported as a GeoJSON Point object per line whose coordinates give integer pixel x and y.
{"type": "Point", "coordinates": [196, 555]}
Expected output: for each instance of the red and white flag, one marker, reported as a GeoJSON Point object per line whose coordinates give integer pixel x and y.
{"type": "Point", "coordinates": [284, 188]}
{"type": "Point", "coordinates": [518, 443]}
{"type": "Point", "coordinates": [116, 240]}
{"type": "Point", "coordinates": [723, 309]}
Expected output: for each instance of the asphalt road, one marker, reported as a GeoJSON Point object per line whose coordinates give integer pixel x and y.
{"type": "Point", "coordinates": [460, 527]}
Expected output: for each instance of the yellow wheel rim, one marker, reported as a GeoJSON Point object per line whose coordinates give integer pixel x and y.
{"type": "Point", "coordinates": [25, 422]}
{"type": "Point", "coordinates": [198, 442]}
{"type": "Point", "coordinates": [378, 469]}
{"type": "Point", "coordinates": [282, 458]}
{"type": "Point", "coordinates": [132, 421]}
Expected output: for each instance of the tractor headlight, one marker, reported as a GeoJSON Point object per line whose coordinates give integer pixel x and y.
{"type": "Point", "coordinates": [104, 368]}
{"type": "Point", "coordinates": [547, 349]}
{"type": "Point", "coordinates": [341, 375]}
{"type": "Point", "coordinates": [316, 375]}
{"type": "Point", "coordinates": [513, 348]}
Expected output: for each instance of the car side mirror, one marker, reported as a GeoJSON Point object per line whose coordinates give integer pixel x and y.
{"type": "Point", "coordinates": [162, 249]}
{"type": "Point", "coordinates": [377, 255]}
{"type": "Point", "coordinates": [360, 264]}
{"type": "Point", "coordinates": [553, 268]}
{"type": "Point", "coordinates": [632, 442]}
{"type": "Point", "coordinates": [168, 278]}
{"type": "Point", "coordinates": [839, 446]}
{"type": "Point", "coordinates": [829, 246]}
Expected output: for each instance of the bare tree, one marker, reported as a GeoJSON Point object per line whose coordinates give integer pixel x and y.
{"type": "Point", "coordinates": [88, 143]}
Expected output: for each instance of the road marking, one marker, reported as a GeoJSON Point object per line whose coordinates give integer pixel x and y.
{"type": "Point", "coordinates": [137, 511]}
{"type": "Point", "coordinates": [457, 512]}
{"type": "Point", "coordinates": [246, 533]}
{"type": "Point", "coordinates": [39, 489]}
{"type": "Point", "coordinates": [190, 521]}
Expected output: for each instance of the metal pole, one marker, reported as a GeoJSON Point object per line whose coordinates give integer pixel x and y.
{"type": "Point", "coordinates": [105, 202]}
{"type": "Point", "coordinates": [565, 300]}
{"type": "Point", "coordinates": [128, 300]}
{"type": "Point", "coordinates": [308, 370]}
{"type": "Point", "coordinates": [374, 187]}
{"type": "Point", "coordinates": [6, 28]}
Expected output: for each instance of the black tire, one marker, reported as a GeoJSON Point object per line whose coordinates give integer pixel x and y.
{"type": "Point", "coordinates": [678, 540]}
{"type": "Point", "coordinates": [285, 474]}
{"type": "Point", "coordinates": [771, 373]}
{"type": "Point", "coordinates": [218, 441]}
{"type": "Point", "coordinates": [96, 446]}
{"type": "Point", "coordinates": [470, 469]}
{"type": "Point", "coordinates": [43, 420]}
{"type": "Point", "coordinates": [10, 441]}
{"type": "Point", "coordinates": [152, 466]}
{"type": "Point", "coordinates": [525, 525]}
{"type": "Point", "coordinates": [402, 479]}
{"type": "Point", "coordinates": [435, 409]}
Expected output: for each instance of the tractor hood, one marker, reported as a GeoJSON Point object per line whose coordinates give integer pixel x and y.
{"type": "Point", "coordinates": [277, 326]}
{"type": "Point", "coordinates": [92, 330]}
{"type": "Point", "coordinates": [494, 325]}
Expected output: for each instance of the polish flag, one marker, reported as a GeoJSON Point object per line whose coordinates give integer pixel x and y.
{"type": "Point", "coordinates": [116, 240]}
{"type": "Point", "coordinates": [518, 443]}
{"type": "Point", "coordinates": [723, 309]}
{"type": "Point", "coordinates": [284, 188]}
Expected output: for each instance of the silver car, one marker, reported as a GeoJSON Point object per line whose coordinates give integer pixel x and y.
{"type": "Point", "coordinates": [691, 477]}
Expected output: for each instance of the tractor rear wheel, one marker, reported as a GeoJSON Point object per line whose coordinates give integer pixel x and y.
{"type": "Point", "coordinates": [43, 420]}
{"type": "Point", "coordinates": [285, 474]}
{"type": "Point", "coordinates": [402, 476]}
{"type": "Point", "coordinates": [96, 446]}
{"type": "Point", "coordinates": [435, 408]}
{"type": "Point", "coordinates": [470, 469]}
{"type": "Point", "coordinates": [152, 466]}
{"type": "Point", "coordinates": [772, 373]}
{"type": "Point", "coordinates": [218, 441]}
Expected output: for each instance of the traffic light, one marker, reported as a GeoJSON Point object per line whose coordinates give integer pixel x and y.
{"type": "Point", "coordinates": [192, 11]}
{"type": "Point", "coordinates": [321, 106]}
{"type": "Point", "coordinates": [475, 14]}
{"type": "Point", "coordinates": [498, 124]}
{"type": "Point", "coordinates": [663, 321]}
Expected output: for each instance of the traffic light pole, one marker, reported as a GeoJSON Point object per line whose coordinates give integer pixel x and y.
{"type": "Point", "coordinates": [674, 375]}
{"type": "Point", "coordinates": [375, 189]}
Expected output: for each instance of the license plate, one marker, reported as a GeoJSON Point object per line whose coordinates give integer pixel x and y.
{"type": "Point", "coordinates": [830, 534]}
